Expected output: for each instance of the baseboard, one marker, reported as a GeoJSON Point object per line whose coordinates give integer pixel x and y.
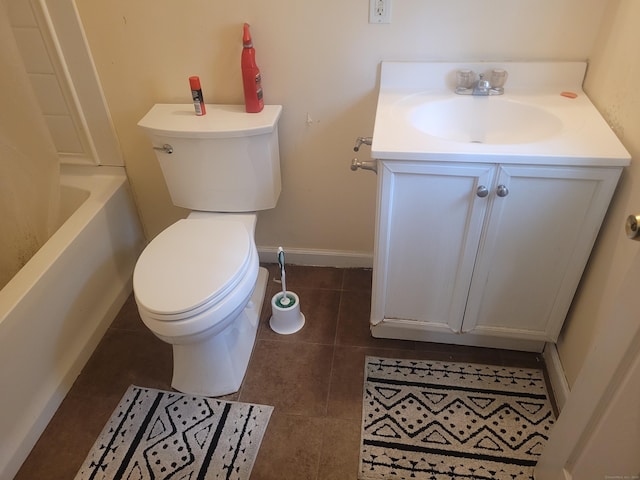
{"type": "Point", "coordinates": [557, 377]}
{"type": "Point", "coordinates": [319, 258]}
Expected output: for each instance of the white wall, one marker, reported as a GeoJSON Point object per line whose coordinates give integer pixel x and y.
{"type": "Point", "coordinates": [612, 84]}
{"type": "Point", "coordinates": [319, 60]}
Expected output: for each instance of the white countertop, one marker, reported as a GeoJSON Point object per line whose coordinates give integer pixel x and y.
{"type": "Point", "coordinates": [583, 136]}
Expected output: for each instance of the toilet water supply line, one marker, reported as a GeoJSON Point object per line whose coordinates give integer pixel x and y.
{"type": "Point", "coordinates": [284, 301]}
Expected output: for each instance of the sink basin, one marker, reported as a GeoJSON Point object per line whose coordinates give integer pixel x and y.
{"type": "Point", "coordinates": [490, 120]}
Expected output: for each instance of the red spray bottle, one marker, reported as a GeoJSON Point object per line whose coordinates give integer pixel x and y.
{"type": "Point", "coordinates": [251, 78]}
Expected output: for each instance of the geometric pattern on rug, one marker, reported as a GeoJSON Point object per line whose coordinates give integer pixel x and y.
{"type": "Point", "coordinates": [155, 434]}
{"type": "Point", "coordinates": [448, 420]}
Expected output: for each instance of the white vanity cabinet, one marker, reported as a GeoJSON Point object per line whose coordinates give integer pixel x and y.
{"type": "Point", "coordinates": [481, 253]}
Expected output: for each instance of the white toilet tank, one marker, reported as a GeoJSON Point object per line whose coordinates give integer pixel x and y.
{"type": "Point", "coordinates": [225, 161]}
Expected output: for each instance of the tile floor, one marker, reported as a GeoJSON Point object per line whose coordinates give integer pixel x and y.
{"type": "Point", "coordinates": [313, 378]}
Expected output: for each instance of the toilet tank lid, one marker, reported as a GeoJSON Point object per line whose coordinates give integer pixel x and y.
{"type": "Point", "coordinates": [220, 121]}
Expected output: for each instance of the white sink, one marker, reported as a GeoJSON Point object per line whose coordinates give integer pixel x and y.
{"type": "Point", "coordinates": [490, 120]}
{"type": "Point", "coordinates": [420, 117]}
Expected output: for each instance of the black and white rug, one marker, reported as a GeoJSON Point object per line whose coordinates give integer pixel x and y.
{"type": "Point", "coordinates": [445, 420]}
{"type": "Point", "coordinates": [154, 434]}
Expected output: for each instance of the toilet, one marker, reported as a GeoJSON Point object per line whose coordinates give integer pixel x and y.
{"type": "Point", "coordinates": [198, 284]}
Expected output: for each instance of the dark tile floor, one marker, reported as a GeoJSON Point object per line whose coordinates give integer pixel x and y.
{"type": "Point", "coordinates": [313, 378]}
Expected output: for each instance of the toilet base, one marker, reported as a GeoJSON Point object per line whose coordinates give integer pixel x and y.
{"type": "Point", "coordinates": [216, 366]}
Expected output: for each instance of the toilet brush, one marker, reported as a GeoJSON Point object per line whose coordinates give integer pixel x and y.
{"type": "Point", "coordinates": [286, 317]}
{"type": "Point", "coordinates": [283, 301]}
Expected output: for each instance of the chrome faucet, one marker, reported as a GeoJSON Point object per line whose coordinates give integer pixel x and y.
{"type": "Point", "coordinates": [482, 86]}
{"type": "Point", "coordinates": [467, 85]}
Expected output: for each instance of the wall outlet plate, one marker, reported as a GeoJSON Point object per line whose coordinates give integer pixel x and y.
{"type": "Point", "coordinates": [379, 11]}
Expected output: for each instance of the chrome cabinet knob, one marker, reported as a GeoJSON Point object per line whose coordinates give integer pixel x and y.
{"type": "Point", "coordinates": [482, 191]}
{"type": "Point", "coordinates": [502, 191]}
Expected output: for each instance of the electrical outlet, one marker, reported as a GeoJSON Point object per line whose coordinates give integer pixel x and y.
{"type": "Point", "coordinates": [379, 11]}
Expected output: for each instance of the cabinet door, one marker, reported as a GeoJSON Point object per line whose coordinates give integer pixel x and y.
{"type": "Point", "coordinates": [429, 222]}
{"type": "Point", "coordinates": [534, 248]}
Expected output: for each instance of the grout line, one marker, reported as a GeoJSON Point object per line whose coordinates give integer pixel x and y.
{"type": "Point", "coordinates": [325, 417]}
{"type": "Point", "coordinates": [321, 449]}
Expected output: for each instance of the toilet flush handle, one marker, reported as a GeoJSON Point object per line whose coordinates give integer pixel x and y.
{"type": "Point", "coordinates": [166, 148]}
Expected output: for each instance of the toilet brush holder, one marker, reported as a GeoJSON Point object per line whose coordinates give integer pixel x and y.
{"type": "Point", "coordinates": [286, 319]}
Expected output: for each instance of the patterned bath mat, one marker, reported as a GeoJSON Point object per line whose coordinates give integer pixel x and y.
{"type": "Point", "coordinates": [157, 435]}
{"type": "Point", "coordinates": [445, 420]}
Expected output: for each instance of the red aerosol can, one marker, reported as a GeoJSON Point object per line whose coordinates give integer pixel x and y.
{"type": "Point", "coordinates": [196, 94]}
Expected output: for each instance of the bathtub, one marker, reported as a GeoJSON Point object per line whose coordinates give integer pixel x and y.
{"type": "Point", "coordinates": [56, 309]}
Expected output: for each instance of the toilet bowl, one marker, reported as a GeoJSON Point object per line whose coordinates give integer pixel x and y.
{"type": "Point", "coordinates": [197, 287]}
{"type": "Point", "coordinates": [198, 284]}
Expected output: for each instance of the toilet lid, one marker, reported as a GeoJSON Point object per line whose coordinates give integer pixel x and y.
{"type": "Point", "coordinates": [190, 264]}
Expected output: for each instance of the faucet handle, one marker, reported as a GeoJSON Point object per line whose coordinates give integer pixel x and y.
{"type": "Point", "coordinates": [498, 77]}
{"type": "Point", "coordinates": [465, 78]}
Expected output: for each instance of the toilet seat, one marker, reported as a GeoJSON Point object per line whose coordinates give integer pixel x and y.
{"type": "Point", "coordinates": [191, 266]}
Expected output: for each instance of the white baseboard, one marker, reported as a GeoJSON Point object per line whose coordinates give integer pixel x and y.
{"type": "Point", "coordinates": [557, 377]}
{"type": "Point", "coordinates": [318, 258]}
